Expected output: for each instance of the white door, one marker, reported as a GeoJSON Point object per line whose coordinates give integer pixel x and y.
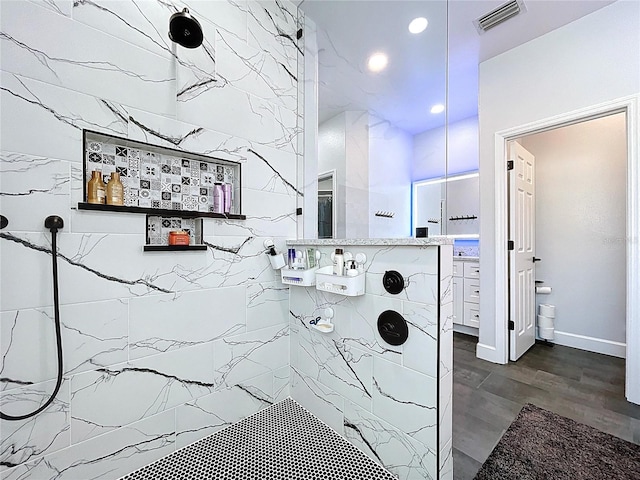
{"type": "Point", "coordinates": [522, 305]}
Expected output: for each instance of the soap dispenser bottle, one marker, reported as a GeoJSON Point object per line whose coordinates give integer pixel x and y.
{"type": "Point", "coordinates": [115, 190]}
{"type": "Point", "coordinates": [338, 262]}
{"type": "Point", "coordinates": [95, 188]}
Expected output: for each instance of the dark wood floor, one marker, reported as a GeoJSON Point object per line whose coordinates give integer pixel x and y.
{"type": "Point", "coordinates": [587, 387]}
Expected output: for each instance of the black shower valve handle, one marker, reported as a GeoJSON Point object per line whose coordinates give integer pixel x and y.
{"type": "Point", "coordinates": [4, 221]}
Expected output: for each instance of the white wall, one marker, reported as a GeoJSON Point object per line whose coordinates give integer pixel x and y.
{"type": "Point", "coordinates": [390, 154]}
{"type": "Point", "coordinates": [580, 227]}
{"type": "Point", "coordinates": [343, 145]}
{"type": "Point", "coordinates": [331, 155]}
{"type": "Point", "coordinates": [356, 181]}
{"type": "Point", "coordinates": [461, 146]}
{"type": "Point", "coordinates": [592, 60]}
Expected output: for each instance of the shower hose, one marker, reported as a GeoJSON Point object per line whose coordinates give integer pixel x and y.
{"type": "Point", "coordinates": [53, 223]}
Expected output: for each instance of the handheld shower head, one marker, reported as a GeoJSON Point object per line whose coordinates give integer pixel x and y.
{"type": "Point", "coordinates": [185, 30]}
{"type": "Point", "coordinates": [53, 223]}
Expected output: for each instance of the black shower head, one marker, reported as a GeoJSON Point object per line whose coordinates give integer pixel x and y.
{"type": "Point", "coordinates": [185, 30]}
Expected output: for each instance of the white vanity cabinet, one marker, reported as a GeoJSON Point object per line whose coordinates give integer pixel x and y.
{"type": "Point", "coordinates": [466, 293]}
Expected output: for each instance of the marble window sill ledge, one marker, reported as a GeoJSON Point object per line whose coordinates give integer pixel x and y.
{"type": "Point", "coordinates": [417, 242]}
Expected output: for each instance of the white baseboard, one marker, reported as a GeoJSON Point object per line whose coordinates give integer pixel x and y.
{"type": "Point", "coordinates": [465, 329]}
{"type": "Point", "coordinates": [488, 353]}
{"type": "Point", "coordinates": [591, 344]}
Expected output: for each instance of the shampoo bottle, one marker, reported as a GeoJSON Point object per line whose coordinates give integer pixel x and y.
{"type": "Point", "coordinates": [338, 262]}
{"type": "Point", "coordinates": [115, 190]}
{"type": "Point", "coordinates": [95, 188]}
{"type": "Point", "coordinates": [218, 198]}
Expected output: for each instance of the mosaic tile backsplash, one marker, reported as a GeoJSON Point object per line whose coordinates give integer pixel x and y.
{"type": "Point", "coordinates": [157, 180]}
{"type": "Point", "coordinates": [158, 229]}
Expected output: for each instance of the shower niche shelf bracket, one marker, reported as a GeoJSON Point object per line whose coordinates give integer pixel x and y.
{"type": "Point", "coordinates": [157, 211]}
{"type": "Point", "coordinates": [174, 248]}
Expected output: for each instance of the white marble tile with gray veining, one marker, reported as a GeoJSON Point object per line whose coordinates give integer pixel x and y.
{"type": "Point", "coordinates": [88, 262]}
{"type": "Point", "coordinates": [407, 400]}
{"type": "Point", "coordinates": [320, 400]}
{"type": "Point", "coordinates": [57, 114]}
{"type": "Point", "coordinates": [62, 7]}
{"type": "Point", "coordinates": [256, 71]}
{"type": "Point", "coordinates": [146, 386]}
{"type": "Point", "coordinates": [93, 335]}
{"type": "Point", "coordinates": [44, 49]}
{"type": "Point", "coordinates": [268, 215]}
{"type": "Point", "coordinates": [210, 413]}
{"type": "Point", "coordinates": [139, 22]}
{"type": "Point", "coordinates": [363, 326]}
{"type": "Point", "coordinates": [241, 357]}
{"type": "Point", "coordinates": [266, 305]}
{"type": "Point", "coordinates": [263, 168]}
{"type": "Point", "coordinates": [38, 185]}
{"type": "Point", "coordinates": [330, 361]}
{"type": "Point", "coordinates": [109, 456]}
{"type": "Point", "coordinates": [161, 323]}
{"type": "Point", "coordinates": [272, 26]}
{"type": "Point", "coordinates": [403, 456]}
{"type": "Point", "coordinates": [282, 381]}
{"type": "Point", "coordinates": [45, 433]}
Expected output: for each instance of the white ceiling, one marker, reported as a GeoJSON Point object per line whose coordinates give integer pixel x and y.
{"type": "Point", "coordinates": [415, 79]}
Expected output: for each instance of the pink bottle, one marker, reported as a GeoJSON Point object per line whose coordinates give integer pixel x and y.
{"type": "Point", "coordinates": [227, 190]}
{"type": "Point", "coordinates": [218, 198]}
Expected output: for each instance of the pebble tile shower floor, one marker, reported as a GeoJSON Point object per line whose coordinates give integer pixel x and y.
{"type": "Point", "coordinates": [281, 442]}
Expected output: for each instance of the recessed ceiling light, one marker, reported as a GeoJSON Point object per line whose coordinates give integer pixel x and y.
{"type": "Point", "coordinates": [418, 25]}
{"type": "Point", "coordinates": [377, 62]}
{"type": "Point", "coordinates": [439, 108]}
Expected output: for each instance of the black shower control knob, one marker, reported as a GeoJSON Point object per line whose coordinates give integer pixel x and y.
{"type": "Point", "coordinates": [393, 282]}
{"type": "Point", "coordinates": [393, 328]}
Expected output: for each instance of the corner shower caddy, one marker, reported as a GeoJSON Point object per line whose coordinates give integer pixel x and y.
{"type": "Point", "coordinates": [301, 278]}
{"type": "Point", "coordinates": [160, 182]}
{"type": "Point", "coordinates": [339, 284]}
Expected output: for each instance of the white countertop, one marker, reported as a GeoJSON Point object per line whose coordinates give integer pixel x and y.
{"type": "Point", "coordinates": [461, 258]}
{"type": "Point", "coordinates": [418, 242]}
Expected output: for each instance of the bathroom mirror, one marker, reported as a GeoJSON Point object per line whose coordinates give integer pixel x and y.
{"type": "Point", "coordinates": [375, 129]}
{"type": "Point", "coordinates": [448, 205]}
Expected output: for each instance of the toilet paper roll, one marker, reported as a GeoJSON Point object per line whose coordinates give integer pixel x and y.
{"type": "Point", "coordinates": [545, 333]}
{"type": "Point", "coordinates": [545, 322]}
{"type": "Point", "coordinates": [543, 290]}
{"type": "Point", "coordinates": [547, 310]}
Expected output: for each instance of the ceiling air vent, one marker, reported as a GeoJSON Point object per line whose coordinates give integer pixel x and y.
{"type": "Point", "coordinates": [501, 14]}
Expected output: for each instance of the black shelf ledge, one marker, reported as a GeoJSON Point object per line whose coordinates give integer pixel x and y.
{"type": "Point", "coordinates": [173, 248]}
{"type": "Point", "coordinates": [163, 212]}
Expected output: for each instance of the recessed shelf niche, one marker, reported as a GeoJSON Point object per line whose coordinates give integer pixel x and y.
{"type": "Point", "coordinates": [158, 179]}
{"type": "Point", "coordinates": [158, 229]}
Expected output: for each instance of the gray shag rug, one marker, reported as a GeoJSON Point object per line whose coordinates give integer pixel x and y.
{"type": "Point", "coordinates": [541, 445]}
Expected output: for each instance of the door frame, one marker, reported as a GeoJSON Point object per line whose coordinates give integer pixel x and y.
{"type": "Point", "coordinates": [629, 105]}
{"type": "Point", "coordinates": [334, 181]}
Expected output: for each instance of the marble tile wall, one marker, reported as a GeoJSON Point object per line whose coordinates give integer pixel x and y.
{"type": "Point", "coordinates": [159, 349]}
{"type": "Point", "coordinates": [394, 403]}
